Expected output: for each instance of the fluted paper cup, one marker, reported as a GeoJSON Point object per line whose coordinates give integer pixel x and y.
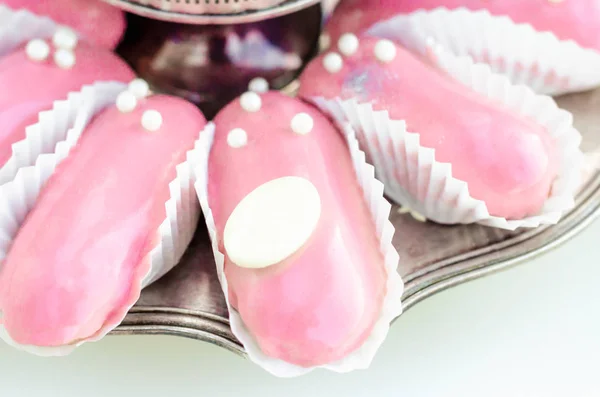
{"type": "Point", "coordinates": [17, 27]}
{"type": "Point", "coordinates": [18, 198]}
{"type": "Point", "coordinates": [415, 179]}
{"type": "Point", "coordinates": [526, 56]}
{"type": "Point", "coordinates": [392, 307]}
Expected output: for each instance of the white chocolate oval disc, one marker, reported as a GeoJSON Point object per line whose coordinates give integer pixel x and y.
{"type": "Point", "coordinates": [272, 222]}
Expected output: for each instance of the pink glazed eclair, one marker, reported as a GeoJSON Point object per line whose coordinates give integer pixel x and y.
{"type": "Point", "coordinates": [77, 262]}
{"type": "Point", "coordinates": [30, 86]}
{"type": "Point", "coordinates": [507, 160]}
{"type": "Point", "coordinates": [577, 20]}
{"type": "Point", "coordinates": [302, 257]}
{"type": "Point", "coordinates": [97, 21]}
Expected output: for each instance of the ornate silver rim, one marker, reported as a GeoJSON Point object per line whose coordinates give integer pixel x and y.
{"type": "Point", "coordinates": [284, 8]}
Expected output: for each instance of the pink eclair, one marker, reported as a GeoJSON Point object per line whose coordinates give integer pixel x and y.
{"type": "Point", "coordinates": [507, 160]}
{"type": "Point", "coordinates": [302, 257]}
{"type": "Point", "coordinates": [77, 262]}
{"type": "Point", "coordinates": [31, 83]}
{"type": "Point", "coordinates": [97, 21]}
{"type": "Point", "coordinates": [577, 20]}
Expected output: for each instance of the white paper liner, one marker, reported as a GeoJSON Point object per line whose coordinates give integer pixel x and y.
{"type": "Point", "coordinates": [536, 59]}
{"type": "Point", "coordinates": [392, 307]}
{"type": "Point", "coordinates": [17, 27]}
{"type": "Point", "coordinates": [54, 125]}
{"type": "Point", "coordinates": [414, 178]}
{"type": "Point", "coordinates": [173, 236]}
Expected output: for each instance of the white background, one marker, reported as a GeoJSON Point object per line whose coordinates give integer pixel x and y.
{"type": "Point", "coordinates": [531, 331]}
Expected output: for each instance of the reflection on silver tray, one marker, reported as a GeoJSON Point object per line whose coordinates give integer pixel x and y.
{"type": "Point", "coordinates": [138, 7]}
{"type": "Point", "coordinates": [188, 302]}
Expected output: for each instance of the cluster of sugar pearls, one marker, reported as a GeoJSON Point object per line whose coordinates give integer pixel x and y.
{"type": "Point", "coordinates": [301, 123]}
{"type": "Point", "coordinates": [348, 44]}
{"type": "Point", "coordinates": [127, 102]}
{"type": "Point", "coordinates": [64, 41]}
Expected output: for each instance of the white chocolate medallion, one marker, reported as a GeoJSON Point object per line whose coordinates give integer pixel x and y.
{"type": "Point", "coordinates": [272, 222]}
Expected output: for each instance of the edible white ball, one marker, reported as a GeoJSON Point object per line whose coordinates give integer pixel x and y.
{"type": "Point", "coordinates": [37, 50]}
{"type": "Point", "coordinates": [139, 88]}
{"type": "Point", "coordinates": [333, 62]}
{"type": "Point", "coordinates": [152, 120]}
{"type": "Point", "coordinates": [348, 44]}
{"type": "Point", "coordinates": [385, 51]}
{"type": "Point", "coordinates": [237, 138]}
{"type": "Point", "coordinates": [65, 38]}
{"type": "Point", "coordinates": [64, 59]}
{"type": "Point", "coordinates": [324, 41]}
{"type": "Point", "coordinates": [126, 102]}
{"type": "Point", "coordinates": [250, 102]}
{"type": "Point", "coordinates": [302, 123]}
{"type": "Point", "coordinates": [259, 85]}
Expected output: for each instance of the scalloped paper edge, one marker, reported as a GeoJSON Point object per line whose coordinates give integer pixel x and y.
{"type": "Point", "coordinates": [526, 56]}
{"type": "Point", "coordinates": [17, 27]}
{"type": "Point", "coordinates": [65, 118]}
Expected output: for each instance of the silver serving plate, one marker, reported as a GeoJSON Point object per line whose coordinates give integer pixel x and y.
{"type": "Point", "coordinates": [188, 301]}
{"type": "Point", "coordinates": [138, 7]}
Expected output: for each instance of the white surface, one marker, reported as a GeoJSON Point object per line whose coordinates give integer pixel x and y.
{"type": "Point", "coordinates": [531, 331]}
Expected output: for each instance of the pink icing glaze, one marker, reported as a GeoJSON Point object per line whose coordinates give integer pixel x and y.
{"type": "Point", "coordinates": [99, 22]}
{"type": "Point", "coordinates": [321, 303]}
{"type": "Point", "coordinates": [30, 87]}
{"type": "Point", "coordinates": [507, 160]}
{"type": "Point", "coordinates": [76, 264]}
{"type": "Point", "coordinates": [577, 20]}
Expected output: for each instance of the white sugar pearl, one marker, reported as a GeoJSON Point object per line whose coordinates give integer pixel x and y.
{"type": "Point", "coordinates": [258, 84]}
{"type": "Point", "coordinates": [126, 102]}
{"type": "Point", "coordinates": [237, 138]}
{"type": "Point", "coordinates": [250, 102]}
{"type": "Point", "coordinates": [385, 51]}
{"type": "Point", "coordinates": [65, 38]}
{"type": "Point", "coordinates": [64, 59]}
{"type": "Point", "coordinates": [152, 120]}
{"type": "Point", "coordinates": [302, 123]}
{"type": "Point", "coordinates": [324, 41]}
{"type": "Point", "coordinates": [37, 50]}
{"type": "Point", "coordinates": [333, 62]}
{"type": "Point", "coordinates": [348, 44]}
{"type": "Point", "coordinates": [139, 88]}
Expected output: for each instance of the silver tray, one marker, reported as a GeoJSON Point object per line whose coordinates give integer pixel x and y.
{"type": "Point", "coordinates": [137, 7]}
{"type": "Point", "coordinates": [188, 302]}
